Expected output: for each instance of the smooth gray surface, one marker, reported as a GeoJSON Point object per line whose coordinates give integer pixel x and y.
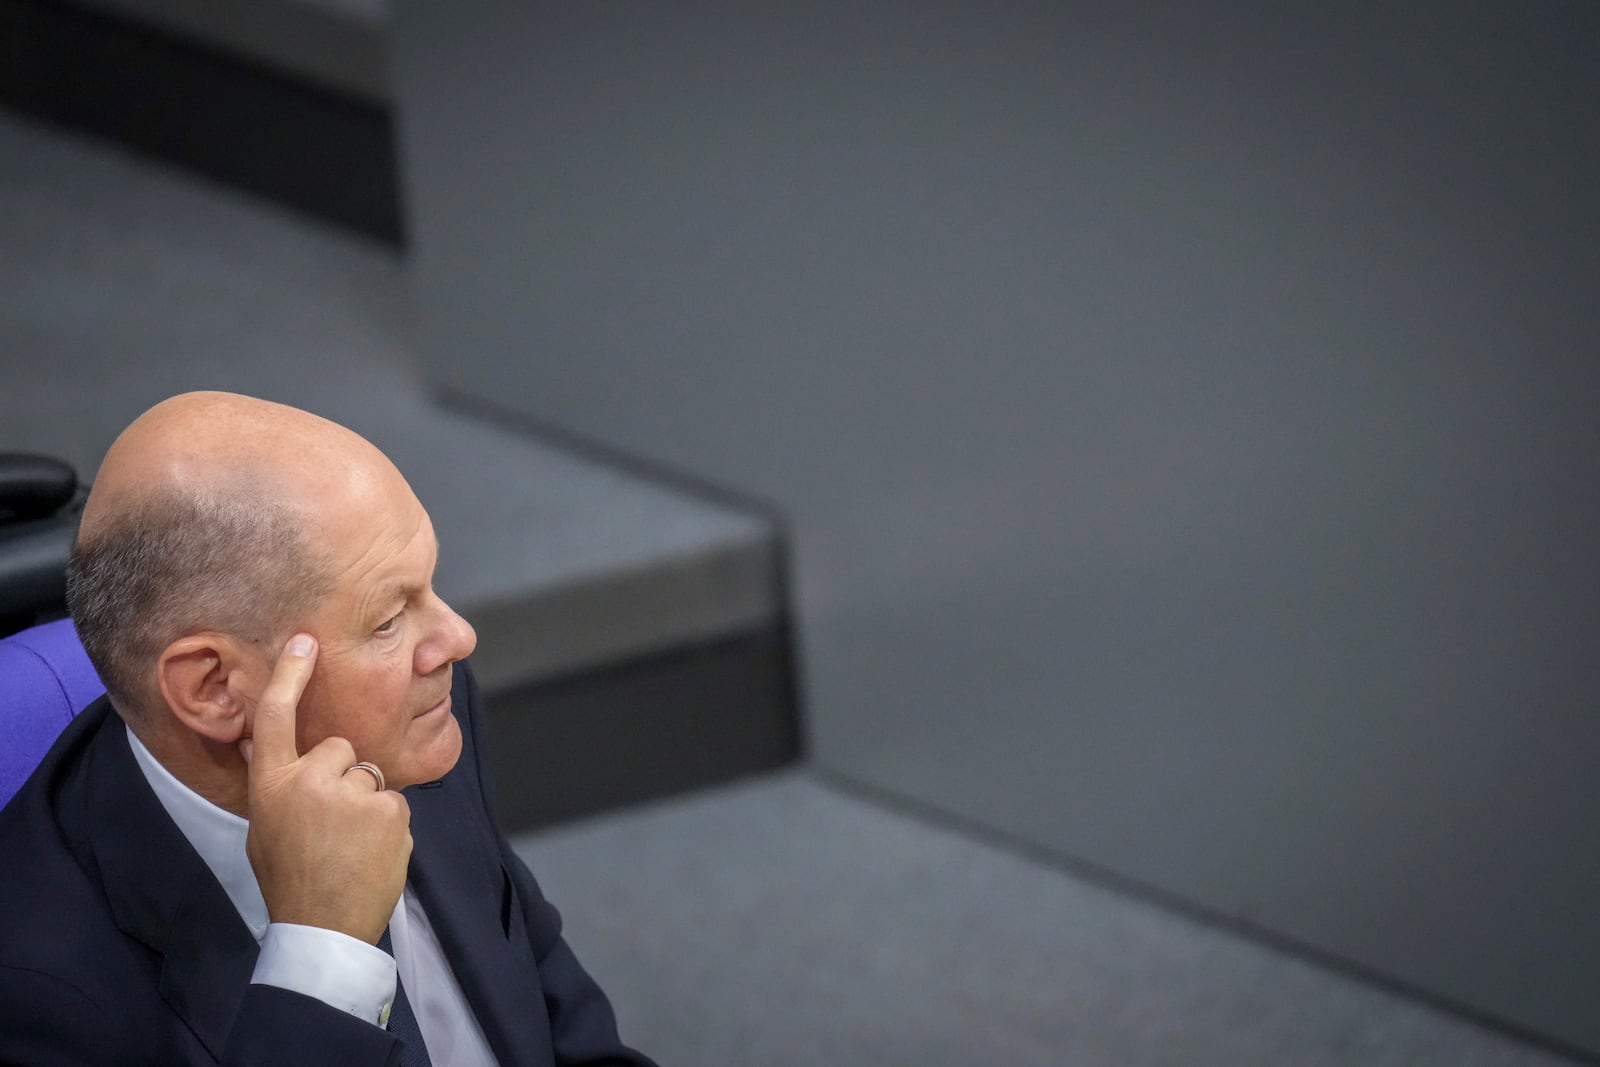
{"type": "Point", "coordinates": [782, 923]}
{"type": "Point", "coordinates": [1186, 412]}
{"type": "Point", "coordinates": [122, 283]}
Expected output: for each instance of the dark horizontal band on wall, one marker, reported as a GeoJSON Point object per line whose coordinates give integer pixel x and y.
{"type": "Point", "coordinates": [310, 148]}
{"type": "Point", "coordinates": [667, 723]}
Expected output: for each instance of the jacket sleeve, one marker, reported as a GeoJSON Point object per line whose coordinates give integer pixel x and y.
{"type": "Point", "coordinates": [45, 1021]}
{"type": "Point", "coordinates": [278, 1026]}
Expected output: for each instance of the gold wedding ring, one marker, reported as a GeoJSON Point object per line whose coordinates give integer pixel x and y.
{"type": "Point", "coordinates": [377, 775]}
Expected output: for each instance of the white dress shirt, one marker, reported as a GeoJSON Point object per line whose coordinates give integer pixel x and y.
{"type": "Point", "coordinates": [339, 970]}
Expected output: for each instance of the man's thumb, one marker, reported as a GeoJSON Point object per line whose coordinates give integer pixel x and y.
{"type": "Point", "coordinates": [247, 746]}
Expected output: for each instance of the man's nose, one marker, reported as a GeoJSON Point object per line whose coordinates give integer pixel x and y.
{"type": "Point", "coordinates": [466, 638]}
{"type": "Point", "coordinates": [453, 639]}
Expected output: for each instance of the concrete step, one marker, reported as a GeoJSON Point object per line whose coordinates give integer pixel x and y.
{"type": "Point", "coordinates": [337, 44]}
{"type": "Point", "coordinates": [124, 282]}
{"type": "Point", "coordinates": [286, 98]}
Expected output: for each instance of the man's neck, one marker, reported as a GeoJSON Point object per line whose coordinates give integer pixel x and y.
{"type": "Point", "coordinates": [215, 771]}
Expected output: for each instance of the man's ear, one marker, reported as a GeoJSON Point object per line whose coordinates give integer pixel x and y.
{"type": "Point", "coordinates": [201, 678]}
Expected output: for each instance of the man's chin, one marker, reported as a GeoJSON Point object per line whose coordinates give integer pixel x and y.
{"type": "Point", "coordinates": [437, 755]}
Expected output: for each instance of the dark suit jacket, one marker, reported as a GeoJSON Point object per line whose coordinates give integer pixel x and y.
{"type": "Point", "coordinates": [118, 946]}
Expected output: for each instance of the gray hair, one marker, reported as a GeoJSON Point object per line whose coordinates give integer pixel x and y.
{"type": "Point", "coordinates": [176, 563]}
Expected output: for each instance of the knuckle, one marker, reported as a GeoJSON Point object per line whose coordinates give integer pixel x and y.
{"type": "Point", "coordinates": [340, 747]}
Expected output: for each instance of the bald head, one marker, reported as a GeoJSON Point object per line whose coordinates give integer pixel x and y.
{"type": "Point", "coordinates": [206, 515]}
{"type": "Point", "coordinates": [202, 444]}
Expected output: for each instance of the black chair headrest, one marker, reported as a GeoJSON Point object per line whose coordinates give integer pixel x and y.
{"type": "Point", "coordinates": [33, 487]}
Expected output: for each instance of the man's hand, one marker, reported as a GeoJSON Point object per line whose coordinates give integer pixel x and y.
{"type": "Point", "coordinates": [328, 849]}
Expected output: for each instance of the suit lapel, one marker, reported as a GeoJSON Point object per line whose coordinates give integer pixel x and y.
{"type": "Point", "coordinates": [162, 894]}
{"type": "Point", "coordinates": [456, 873]}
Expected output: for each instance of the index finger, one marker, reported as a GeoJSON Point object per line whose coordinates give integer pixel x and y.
{"type": "Point", "coordinates": [273, 732]}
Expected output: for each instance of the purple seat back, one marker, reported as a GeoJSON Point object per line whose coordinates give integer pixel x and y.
{"type": "Point", "coordinates": [45, 679]}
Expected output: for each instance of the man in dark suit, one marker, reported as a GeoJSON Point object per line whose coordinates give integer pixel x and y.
{"type": "Point", "coordinates": [216, 861]}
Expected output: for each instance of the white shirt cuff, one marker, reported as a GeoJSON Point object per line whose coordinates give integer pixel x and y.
{"type": "Point", "coordinates": [335, 968]}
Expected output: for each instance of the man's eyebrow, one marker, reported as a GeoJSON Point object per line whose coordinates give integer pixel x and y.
{"type": "Point", "coordinates": [397, 589]}
{"type": "Point", "coordinates": [391, 589]}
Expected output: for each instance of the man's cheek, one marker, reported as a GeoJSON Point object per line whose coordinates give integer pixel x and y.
{"type": "Point", "coordinates": [327, 713]}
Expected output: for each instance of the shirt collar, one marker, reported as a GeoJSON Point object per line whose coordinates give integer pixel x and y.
{"type": "Point", "coordinates": [217, 834]}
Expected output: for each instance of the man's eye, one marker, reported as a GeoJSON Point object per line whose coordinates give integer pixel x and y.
{"type": "Point", "coordinates": [388, 625]}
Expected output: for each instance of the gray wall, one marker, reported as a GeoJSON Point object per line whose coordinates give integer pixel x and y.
{"type": "Point", "coordinates": [1187, 413]}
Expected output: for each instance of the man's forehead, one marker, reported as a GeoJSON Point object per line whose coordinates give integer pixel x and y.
{"type": "Point", "coordinates": [400, 558]}
{"type": "Point", "coordinates": [411, 569]}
